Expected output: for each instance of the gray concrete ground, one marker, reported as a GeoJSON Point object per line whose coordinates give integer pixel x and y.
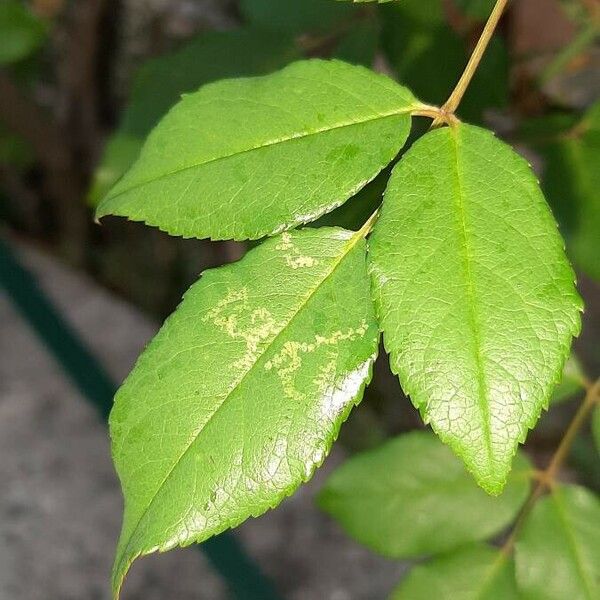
{"type": "Point", "coordinates": [60, 503]}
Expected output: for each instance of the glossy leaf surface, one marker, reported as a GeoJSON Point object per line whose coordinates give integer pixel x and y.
{"type": "Point", "coordinates": [475, 573]}
{"type": "Point", "coordinates": [250, 157]}
{"type": "Point", "coordinates": [558, 551]}
{"type": "Point", "coordinates": [474, 293]}
{"type": "Point", "coordinates": [412, 497]}
{"type": "Point", "coordinates": [240, 395]}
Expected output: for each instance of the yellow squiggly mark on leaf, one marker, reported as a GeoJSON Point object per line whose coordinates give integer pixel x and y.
{"type": "Point", "coordinates": [289, 359]}
{"type": "Point", "coordinates": [233, 316]}
{"type": "Point", "coordinates": [294, 258]}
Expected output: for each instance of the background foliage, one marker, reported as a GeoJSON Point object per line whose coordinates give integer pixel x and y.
{"type": "Point", "coordinates": [71, 123]}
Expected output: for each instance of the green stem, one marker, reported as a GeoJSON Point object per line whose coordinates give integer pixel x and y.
{"type": "Point", "coordinates": [547, 478]}
{"type": "Point", "coordinates": [591, 398]}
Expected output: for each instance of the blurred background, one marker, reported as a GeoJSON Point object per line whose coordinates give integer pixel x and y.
{"type": "Point", "coordinates": [82, 83]}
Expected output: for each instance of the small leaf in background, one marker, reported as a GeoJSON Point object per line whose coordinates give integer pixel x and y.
{"type": "Point", "coordinates": [476, 9]}
{"type": "Point", "coordinates": [245, 158]}
{"type": "Point", "coordinates": [210, 56]}
{"type": "Point", "coordinates": [239, 397]}
{"type": "Point", "coordinates": [596, 427]}
{"type": "Point", "coordinates": [477, 309]}
{"type": "Point", "coordinates": [14, 151]}
{"type": "Point", "coordinates": [473, 573]}
{"type": "Point", "coordinates": [412, 497]}
{"type": "Point", "coordinates": [360, 43]}
{"type": "Point", "coordinates": [119, 154]}
{"type": "Point", "coordinates": [429, 57]}
{"type": "Point", "coordinates": [367, 1]}
{"type": "Point", "coordinates": [558, 550]}
{"type": "Point", "coordinates": [21, 32]}
{"type": "Point", "coordinates": [571, 180]}
{"type": "Point", "coordinates": [161, 81]}
{"type": "Point", "coordinates": [572, 382]}
{"type": "Point", "coordinates": [542, 135]}
{"type": "Point", "coordinates": [296, 16]}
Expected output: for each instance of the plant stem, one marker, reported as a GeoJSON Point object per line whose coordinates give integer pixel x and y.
{"type": "Point", "coordinates": [547, 477]}
{"type": "Point", "coordinates": [455, 97]}
{"type": "Point", "coordinates": [592, 396]}
{"type": "Point", "coordinates": [436, 113]}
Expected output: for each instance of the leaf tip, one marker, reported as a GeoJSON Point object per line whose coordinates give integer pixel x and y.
{"type": "Point", "coordinates": [101, 210]}
{"type": "Point", "coordinates": [492, 476]}
{"type": "Point", "coordinates": [493, 487]}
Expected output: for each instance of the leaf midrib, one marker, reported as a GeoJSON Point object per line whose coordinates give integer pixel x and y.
{"type": "Point", "coordinates": [491, 573]}
{"type": "Point", "coordinates": [267, 144]}
{"type": "Point", "coordinates": [467, 260]}
{"type": "Point", "coordinates": [351, 243]}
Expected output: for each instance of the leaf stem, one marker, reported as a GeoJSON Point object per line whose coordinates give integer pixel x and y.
{"type": "Point", "coordinates": [436, 113]}
{"type": "Point", "coordinates": [592, 396]}
{"type": "Point", "coordinates": [455, 97]}
{"type": "Point", "coordinates": [365, 230]}
{"type": "Point", "coordinates": [547, 478]}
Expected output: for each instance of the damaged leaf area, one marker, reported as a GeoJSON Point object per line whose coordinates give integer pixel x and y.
{"type": "Point", "coordinates": [244, 390]}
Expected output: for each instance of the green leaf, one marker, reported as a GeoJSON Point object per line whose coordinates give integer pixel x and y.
{"type": "Point", "coordinates": [412, 497]}
{"type": "Point", "coordinates": [14, 150]}
{"type": "Point", "coordinates": [426, 14]}
{"type": "Point", "coordinates": [416, 35]}
{"type": "Point", "coordinates": [359, 45]}
{"type": "Point", "coordinates": [21, 32]}
{"type": "Point", "coordinates": [239, 397]}
{"type": "Point", "coordinates": [354, 213]}
{"type": "Point", "coordinates": [251, 157]}
{"type": "Point", "coordinates": [474, 573]}
{"type": "Point", "coordinates": [572, 382]}
{"type": "Point", "coordinates": [161, 81]}
{"type": "Point", "coordinates": [476, 9]}
{"type": "Point", "coordinates": [475, 295]}
{"type": "Point", "coordinates": [571, 179]}
{"type": "Point", "coordinates": [119, 154]}
{"type": "Point", "coordinates": [558, 550]}
{"type": "Point", "coordinates": [296, 16]}
{"type": "Point", "coordinates": [210, 56]}
{"type": "Point", "coordinates": [596, 426]}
